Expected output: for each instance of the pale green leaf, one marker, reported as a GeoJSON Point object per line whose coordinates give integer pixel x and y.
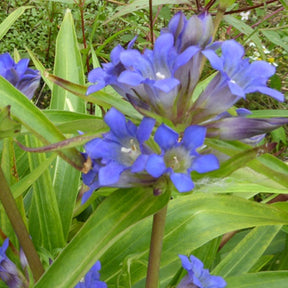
{"type": "Point", "coordinates": [9, 21]}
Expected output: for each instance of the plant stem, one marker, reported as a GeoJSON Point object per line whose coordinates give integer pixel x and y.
{"type": "Point", "coordinates": [157, 235]}
{"type": "Point", "coordinates": [151, 23]}
{"type": "Point", "coordinates": [19, 227]}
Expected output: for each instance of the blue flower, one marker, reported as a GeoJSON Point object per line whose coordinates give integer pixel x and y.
{"type": "Point", "coordinates": [150, 81]}
{"type": "Point", "coordinates": [8, 270]}
{"type": "Point", "coordinates": [248, 130]}
{"type": "Point", "coordinates": [92, 278]}
{"type": "Point", "coordinates": [196, 31]}
{"type": "Point", "coordinates": [197, 276]}
{"type": "Point", "coordinates": [120, 150]}
{"type": "Point", "coordinates": [179, 157]}
{"type": "Point", "coordinates": [241, 76]}
{"type": "Point", "coordinates": [18, 74]}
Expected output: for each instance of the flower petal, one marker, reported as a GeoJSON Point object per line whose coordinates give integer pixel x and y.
{"type": "Point", "coordinates": [205, 163]}
{"type": "Point", "coordinates": [194, 137]}
{"type": "Point", "coordinates": [182, 182]}
{"type": "Point", "coordinates": [110, 174]}
{"type": "Point", "coordinates": [155, 165]}
{"type": "Point", "coordinates": [145, 129]}
{"type": "Point", "coordinates": [165, 137]}
{"type": "Point", "coordinates": [117, 123]}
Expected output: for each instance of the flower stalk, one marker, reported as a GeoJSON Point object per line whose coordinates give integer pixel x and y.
{"type": "Point", "coordinates": [16, 220]}
{"type": "Point", "coordinates": [158, 230]}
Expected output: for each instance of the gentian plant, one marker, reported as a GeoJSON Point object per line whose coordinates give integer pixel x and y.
{"type": "Point", "coordinates": [153, 157]}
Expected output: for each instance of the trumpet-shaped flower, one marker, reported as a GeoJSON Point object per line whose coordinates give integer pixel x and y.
{"type": "Point", "coordinates": [197, 276]}
{"type": "Point", "coordinates": [196, 31]}
{"type": "Point", "coordinates": [249, 130]}
{"type": "Point", "coordinates": [179, 157]}
{"type": "Point", "coordinates": [241, 76]}
{"type": "Point", "coordinates": [121, 149]}
{"type": "Point", "coordinates": [8, 270]}
{"type": "Point", "coordinates": [147, 80]}
{"type": "Point", "coordinates": [18, 74]}
{"type": "Point", "coordinates": [92, 278]}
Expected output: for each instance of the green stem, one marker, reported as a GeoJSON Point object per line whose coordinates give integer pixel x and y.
{"type": "Point", "coordinates": [19, 227]}
{"type": "Point", "coordinates": [158, 230]}
{"type": "Point", "coordinates": [217, 20]}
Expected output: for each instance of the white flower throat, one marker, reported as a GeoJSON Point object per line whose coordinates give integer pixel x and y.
{"type": "Point", "coordinates": [130, 152]}
{"type": "Point", "coordinates": [160, 76]}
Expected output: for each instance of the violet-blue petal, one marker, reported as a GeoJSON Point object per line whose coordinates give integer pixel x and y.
{"type": "Point", "coordinates": [194, 137]}
{"type": "Point", "coordinates": [185, 56]}
{"type": "Point", "coordinates": [271, 92]}
{"type": "Point", "coordinates": [165, 137]}
{"type": "Point", "coordinates": [99, 148]}
{"type": "Point", "coordinates": [155, 165]}
{"type": "Point", "coordinates": [261, 69]}
{"type": "Point", "coordinates": [22, 66]}
{"type": "Point", "coordinates": [236, 89]}
{"type": "Point", "coordinates": [166, 85]}
{"type": "Point", "coordinates": [130, 78]}
{"type": "Point", "coordinates": [232, 53]}
{"type": "Point", "coordinates": [110, 174]}
{"type": "Point", "coordinates": [96, 75]}
{"type": "Point", "coordinates": [214, 59]}
{"type": "Point", "coordinates": [139, 164]}
{"type": "Point", "coordinates": [205, 163]}
{"type": "Point", "coordinates": [145, 129]}
{"type": "Point", "coordinates": [117, 122]}
{"type": "Point", "coordinates": [134, 59]}
{"type": "Point", "coordinates": [182, 182]}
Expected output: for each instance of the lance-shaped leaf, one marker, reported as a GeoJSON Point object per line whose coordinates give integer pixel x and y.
{"type": "Point", "coordinates": [8, 126]}
{"type": "Point", "coordinates": [35, 121]}
{"type": "Point", "coordinates": [9, 21]}
{"type": "Point", "coordinates": [271, 279]}
{"type": "Point", "coordinates": [109, 222]}
{"type": "Point", "coordinates": [100, 98]}
{"type": "Point", "coordinates": [192, 220]}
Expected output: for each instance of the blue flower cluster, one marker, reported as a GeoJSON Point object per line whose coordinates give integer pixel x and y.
{"type": "Point", "coordinates": [19, 74]}
{"type": "Point", "coordinates": [163, 81]}
{"type": "Point", "coordinates": [122, 159]}
{"type": "Point", "coordinates": [92, 278]}
{"type": "Point", "coordinates": [9, 273]}
{"type": "Point", "coordinates": [197, 276]}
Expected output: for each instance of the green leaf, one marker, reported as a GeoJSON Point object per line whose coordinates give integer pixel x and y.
{"type": "Point", "coordinates": [8, 126]}
{"type": "Point", "coordinates": [20, 187]}
{"type": "Point", "coordinates": [265, 164]}
{"type": "Point", "coordinates": [9, 21]}
{"type": "Point", "coordinates": [106, 225]}
{"type": "Point", "coordinates": [142, 4]}
{"type": "Point", "coordinates": [242, 258]}
{"type": "Point", "coordinates": [35, 121]}
{"type": "Point", "coordinates": [224, 4]}
{"type": "Point", "coordinates": [269, 279]}
{"type": "Point", "coordinates": [275, 38]}
{"type": "Point", "coordinates": [268, 113]}
{"type": "Point", "coordinates": [100, 98]}
{"type": "Point", "coordinates": [192, 221]}
{"type": "Point", "coordinates": [279, 135]}
{"type": "Point", "coordinates": [44, 219]}
{"type": "Point", "coordinates": [68, 65]}
{"type": "Point", "coordinates": [247, 30]}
